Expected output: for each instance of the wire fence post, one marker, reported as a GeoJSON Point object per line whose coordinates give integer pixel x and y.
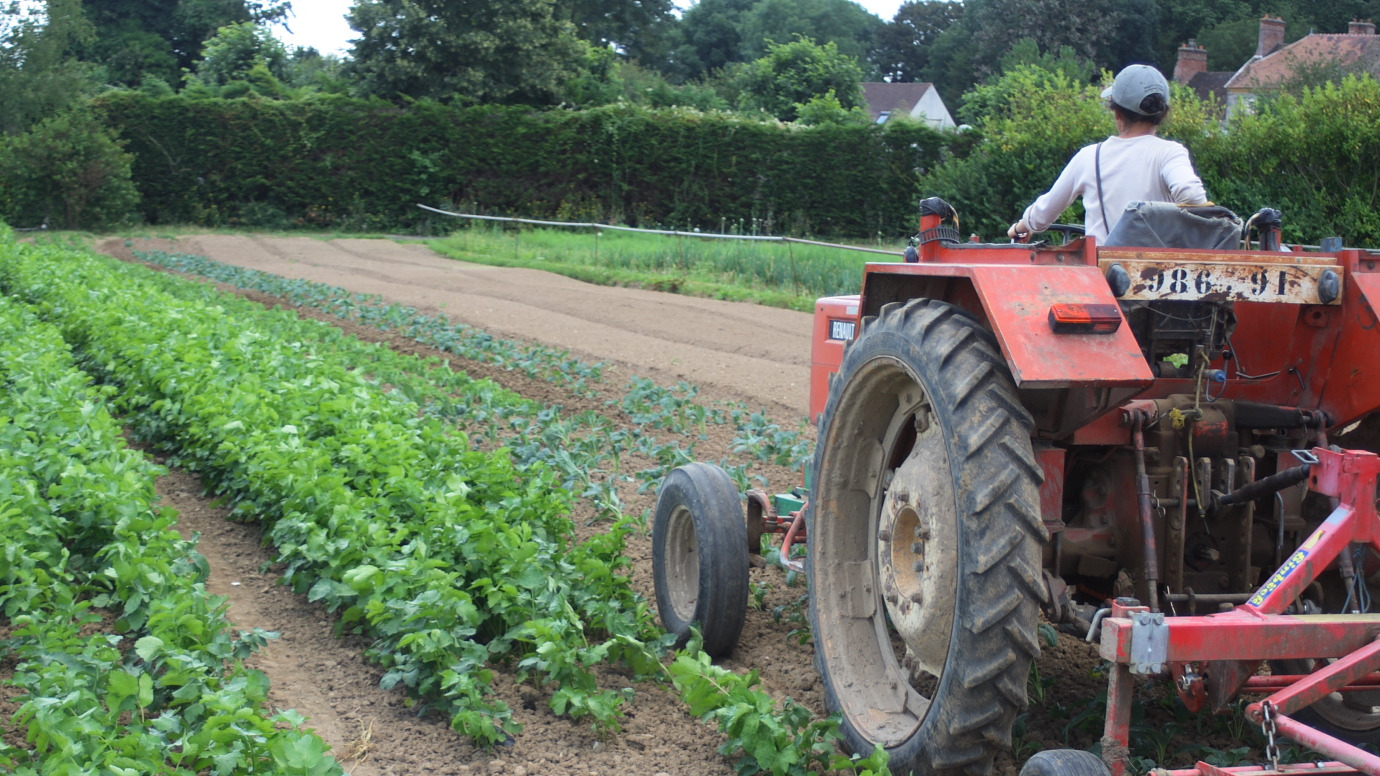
{"type": "Point", "coordinates": [795, 273]}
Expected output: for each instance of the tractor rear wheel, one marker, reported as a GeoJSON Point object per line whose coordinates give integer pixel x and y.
{"type": "Point", "coordinates": [925, 536]}
{"type": "Point", "coordinates": [700, 556]}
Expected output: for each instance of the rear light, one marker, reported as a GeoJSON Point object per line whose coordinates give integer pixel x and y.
{"type": "Point", "coordinates": [1084, 318]}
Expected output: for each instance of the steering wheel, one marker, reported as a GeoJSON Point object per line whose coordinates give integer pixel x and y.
{"type": "Point", "coordinates": [1069, 231]}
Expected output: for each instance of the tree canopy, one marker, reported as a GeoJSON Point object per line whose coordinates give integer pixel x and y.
{"type": "Point", "coordinates": [162, 38]}
{"type": "Point", "coordinates": [794, 74]}
{"type": "Point", "coordinates": [481, 50]}
{"type": "Point", "coordinates": [38, 75]}
{"type": "Point", "coordinates": [902, 53]}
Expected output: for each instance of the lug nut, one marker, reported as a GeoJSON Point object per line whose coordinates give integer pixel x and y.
{"type": "Point", "coordinates": [917, 548]}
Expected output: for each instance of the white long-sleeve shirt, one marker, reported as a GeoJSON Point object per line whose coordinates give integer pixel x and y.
{"type": "Point", "coordinates": [1137, 169]}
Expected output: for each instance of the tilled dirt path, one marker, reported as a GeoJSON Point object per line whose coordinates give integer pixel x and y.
{"type": "Point", "coordinates": [734, 352]}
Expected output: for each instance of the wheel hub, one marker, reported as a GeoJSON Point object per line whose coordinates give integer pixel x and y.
{"type": "Point", "coordinates": [914, 568]}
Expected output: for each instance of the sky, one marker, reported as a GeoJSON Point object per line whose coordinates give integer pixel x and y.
{"type": "Point", "coordinates": [321, 24]}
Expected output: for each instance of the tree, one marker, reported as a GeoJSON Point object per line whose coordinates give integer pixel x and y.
{"type": "Point", "coordinates": [630, 26]}
{"type": "Point", "coordinates": [716, 33]}
{"type": "Point", "coordinates": [485, 50]}
{"type": "Point", "coordinates": [843, 23]}
{"type": "Point", "coordinates": [711, 35]}
{"type": "Point", "coordinates": [793, 74]}
{"type": "Point", "coordinates": [1134, 38]}
{"type": "Point", "coordinates": [236, 50]}
{"type": "Point", "coordinates": [311, 71]}
{"type": "Point", "coordinates": [1082, 25]}
{"type": "Point", "coordinates": [37, 74]}
{"type": "Point", "coordinates": [902, 51]}
{"type": "Point", "coordinates": [162, 38]}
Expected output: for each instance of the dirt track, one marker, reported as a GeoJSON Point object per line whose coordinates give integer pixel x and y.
{"type": "Point", "coordinates": [734, 352]}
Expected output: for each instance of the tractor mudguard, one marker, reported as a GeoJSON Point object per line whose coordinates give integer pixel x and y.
{"type": "Point", "coordinates": [1015, 302]}
{"type": "Point", "coordinates": [1350, 387]}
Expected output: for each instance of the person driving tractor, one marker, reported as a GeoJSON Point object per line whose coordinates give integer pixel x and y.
{"type": "Point", "coordinates": [1134, 165]}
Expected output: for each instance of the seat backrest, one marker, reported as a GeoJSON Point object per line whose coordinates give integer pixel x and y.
{"type": "Point", "coordinates": [1167, 225]}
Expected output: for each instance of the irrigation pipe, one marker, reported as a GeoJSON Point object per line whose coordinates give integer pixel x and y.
{"type": "Point", "coordinates": [669, 232]}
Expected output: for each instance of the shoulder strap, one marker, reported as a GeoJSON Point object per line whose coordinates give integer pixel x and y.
{"type": "Point", "coordinates": [1097, 168]}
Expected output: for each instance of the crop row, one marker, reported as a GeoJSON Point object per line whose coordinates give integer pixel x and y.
{"type": "Point", "coordinates": [450, 558]}
{"type": "Point", "coordinates": [673, 409]}
{"type": "Point", "coordinates": [574, 447]}
{"type": "Point", "coordinates": [786, 274]}
{"type": "Point", "coordinates": [123, 662]}
{"type": "Point", "coordinates": [463, 340]}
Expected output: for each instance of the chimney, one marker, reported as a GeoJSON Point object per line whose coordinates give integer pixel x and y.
{"type": "Point", "coordinates": [1271, 35]}
{"type": "Point", "coordinates": [1192, 61]}
{"type": "Point", "coordinates": [1359, 27]}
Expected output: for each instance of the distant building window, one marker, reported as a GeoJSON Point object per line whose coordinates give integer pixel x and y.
{"type": "Point", "coordinates": [883, 116]}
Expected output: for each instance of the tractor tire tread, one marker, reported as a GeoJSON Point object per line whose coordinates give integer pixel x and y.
{"type": "Point", "coordinates": [1004, 519]}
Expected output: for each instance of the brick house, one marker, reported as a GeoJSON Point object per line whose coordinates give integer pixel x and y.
{"type": "Point", "coordinates": [1274, 63]}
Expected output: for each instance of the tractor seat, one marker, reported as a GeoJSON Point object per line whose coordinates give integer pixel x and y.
{"type": "Point", "coordinates": [1167, 225]}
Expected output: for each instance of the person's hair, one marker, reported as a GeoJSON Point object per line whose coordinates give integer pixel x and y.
{"type": "Point", "coordinates": [1153, 110]}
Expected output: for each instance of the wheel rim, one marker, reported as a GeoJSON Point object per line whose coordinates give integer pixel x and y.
{"type": "Point", "coordinates": [885, 559]}
{"type": "Point", "coordinates": [683, 563]}
{"type": "Point", "coordinates": [1348, 713]}
{"type": "Point", "coordinates": [1356, 712]}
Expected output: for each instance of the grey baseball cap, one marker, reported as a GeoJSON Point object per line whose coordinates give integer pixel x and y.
{"type": "Point", "coordinates": [1134, 84]}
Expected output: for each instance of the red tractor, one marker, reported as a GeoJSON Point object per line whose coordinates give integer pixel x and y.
{"type": "Point", "coordinates": [1162, 447]}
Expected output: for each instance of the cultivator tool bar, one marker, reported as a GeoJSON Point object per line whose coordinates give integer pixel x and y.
{"type": "Point", "coordinates": [1215, 657]}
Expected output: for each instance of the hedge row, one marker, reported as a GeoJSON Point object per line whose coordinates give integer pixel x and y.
{"type": "Point", "coordinates": [346, 163]}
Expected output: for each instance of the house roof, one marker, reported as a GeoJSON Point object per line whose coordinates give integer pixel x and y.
{"type": "Point", "coordinates": [898, 98]}
{"type": "Point", "coordinates": [1211, 85]}
{"type": "Point", "coordinates": [1354, 52]}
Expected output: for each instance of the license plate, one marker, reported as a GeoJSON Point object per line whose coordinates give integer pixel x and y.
{"type": "Point", "coordinates": [842, 329]}
{"type": "Point", "coordinates": [1222, 282]}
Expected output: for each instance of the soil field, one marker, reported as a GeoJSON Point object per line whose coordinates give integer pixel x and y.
{"type": "Point", "coordinates": [747, 354]}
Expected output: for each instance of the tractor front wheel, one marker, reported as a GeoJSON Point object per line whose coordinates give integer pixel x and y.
{"type": "Point", "coordinates": [925, 536]}
{"type": "Point", "coordinates": [700, 556]}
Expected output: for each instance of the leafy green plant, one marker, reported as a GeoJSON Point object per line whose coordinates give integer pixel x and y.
{"type": "Point", "coordinates": [122, 661]}
{"type": "Point", "coordinates": [784, 739]}
{"type": "Point", "coordinates": [446, 556]}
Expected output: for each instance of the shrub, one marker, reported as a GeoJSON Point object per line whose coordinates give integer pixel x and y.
{"type": "Point", "coordinates": [1316, 157]}
{"type": "Point", "coordinates": [69, 172]}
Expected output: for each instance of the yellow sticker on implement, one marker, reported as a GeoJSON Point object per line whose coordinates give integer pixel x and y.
{"type": "Point", "coordinates": [1276, 579]}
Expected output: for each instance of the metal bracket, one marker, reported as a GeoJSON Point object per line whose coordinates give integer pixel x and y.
{"type": "Point", "coordinates": [1149, 642]}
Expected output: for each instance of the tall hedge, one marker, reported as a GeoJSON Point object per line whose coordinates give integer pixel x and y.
{"type": "Point", "coordinates": [348, 163]}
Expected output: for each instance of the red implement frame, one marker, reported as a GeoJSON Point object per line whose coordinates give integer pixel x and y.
{"type": "Point", "coordinates": [1214, 656]}
{"type": "Point", "coordinates": [760, 507]}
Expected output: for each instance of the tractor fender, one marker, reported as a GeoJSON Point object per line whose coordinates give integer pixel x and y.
{"type": "Point", "coordinates": [1014, 302]}
{"type": "Point", "coordinates": [1349, 385]}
